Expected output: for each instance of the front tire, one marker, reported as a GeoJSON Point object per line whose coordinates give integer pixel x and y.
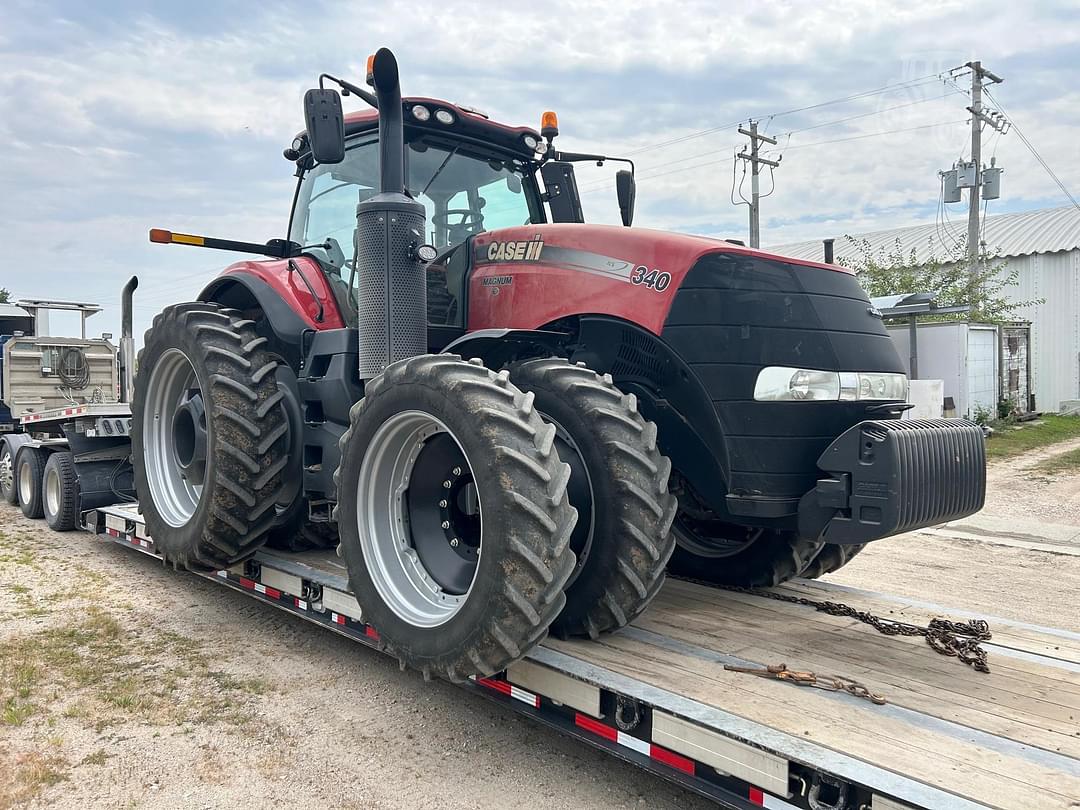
{"type": "Point", "coordinates": [832, 557]}
{"type": "Point", "coordinates": [761, 558]}
{"type": "Point", "coordinates": [453, 515]}
{"type": "Point", "coordinates": [619, 486]}
{"type": "Point", "coordinates": [209, 436]}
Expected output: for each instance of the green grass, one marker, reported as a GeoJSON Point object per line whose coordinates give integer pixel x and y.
{"type": "Point", "coordinates": [1009, 441]}
{"type": "Point", "coordinates": [1064, 463]}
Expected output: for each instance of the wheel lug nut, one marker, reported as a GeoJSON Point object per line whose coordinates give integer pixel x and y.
{"type": "Point", "coordinates": [456, 471]}
{"type": "Point", "coordinates": [446, 484]}
{"type": "Point", "coordinates": [443, 503]}
{"type": "Point", "coordinates": [453, 542]}
{"type": "Point", "coordinates": [446, 524]}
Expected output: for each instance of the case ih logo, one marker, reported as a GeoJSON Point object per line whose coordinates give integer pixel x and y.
{"type": "Point", "coordinates": [515, 251]}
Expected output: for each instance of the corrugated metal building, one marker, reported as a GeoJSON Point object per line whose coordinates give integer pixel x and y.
{"type": "Point", "coordinates": [1044, 248]}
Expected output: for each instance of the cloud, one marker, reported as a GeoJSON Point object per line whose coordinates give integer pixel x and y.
{"type": "Point", "coordinates": [125, 114]}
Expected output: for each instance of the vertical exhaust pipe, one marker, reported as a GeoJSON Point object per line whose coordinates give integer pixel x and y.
{"type": "Point", "coordinates": [828, 243]}
{"type": "Point", "coordinates": [127, 341]}
{"type": "Point", "coordinates": [392, 320]}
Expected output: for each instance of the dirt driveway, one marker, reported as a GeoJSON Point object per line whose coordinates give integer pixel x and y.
{"type": "Point", "coordinates": [124, 684]}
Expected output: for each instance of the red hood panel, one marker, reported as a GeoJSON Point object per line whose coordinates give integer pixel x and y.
{"type": "Point", "coordinates": [533, 275]}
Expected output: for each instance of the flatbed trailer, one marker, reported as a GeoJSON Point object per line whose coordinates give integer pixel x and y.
{"type": "Point", "coordinates": [656, 694]}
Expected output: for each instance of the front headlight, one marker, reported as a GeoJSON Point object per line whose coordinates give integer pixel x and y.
{"type": "Point", "coordinates": [780, 384]}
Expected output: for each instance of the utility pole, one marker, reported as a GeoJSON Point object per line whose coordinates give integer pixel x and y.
{"type": "Point", "coordinates": [755, 161]}
{"type": "Point", "coordinates": [978, 118]}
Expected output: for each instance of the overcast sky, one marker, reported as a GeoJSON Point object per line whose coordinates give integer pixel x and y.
{"type": "Point", "coordinates": [118, 115]}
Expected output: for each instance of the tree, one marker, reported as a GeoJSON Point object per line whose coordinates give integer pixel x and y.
{"type": "Point", "coordinates": [5, 296]}
{"type": "Point", "coordinates": [950, 275]}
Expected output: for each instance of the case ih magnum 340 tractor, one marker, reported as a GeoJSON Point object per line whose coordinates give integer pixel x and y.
{"type": "Point", "coordinates": [632, 400]}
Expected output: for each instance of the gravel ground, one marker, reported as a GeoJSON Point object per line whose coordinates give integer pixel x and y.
{"type": "Point", "coordinates": [123, 684]}
{"type": "Point", "coordinates": [1015, 489]}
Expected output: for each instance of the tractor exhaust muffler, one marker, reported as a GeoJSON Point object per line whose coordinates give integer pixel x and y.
{"type": "Point", "coordinates": [392, 290]}
{"type": "Point", "coordinates": [127, 341]}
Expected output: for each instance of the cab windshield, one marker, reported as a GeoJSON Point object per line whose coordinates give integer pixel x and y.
{"type": "Point", "coordinates": [463, 193]}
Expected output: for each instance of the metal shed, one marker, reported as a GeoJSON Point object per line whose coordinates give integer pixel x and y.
{"type": "Point", "coordinates": [1044, 248]}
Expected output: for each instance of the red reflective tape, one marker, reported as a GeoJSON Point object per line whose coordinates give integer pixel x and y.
{"type": "Point", "coordinates": [671, 758]}
{"type": "Point", "coordinates": [757, 796]}
{"type": "Point", "coordinates": [247, 583]}
{"type": "Point", "coordinates": [371, 633]}
{"type": "Point", "coordinates": [498, 686]}
{"type": "Point", "coordinates": [112, 532]}
{"type": "Point", "coordinates": [596, 727]}
{"type": "Point", "coordinates": [273, 593]}
{"type": "Point", "coordinates": [339, 619]}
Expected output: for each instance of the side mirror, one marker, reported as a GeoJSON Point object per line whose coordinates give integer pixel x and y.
{"type": "Point", "coordinates": [325, 125]}
{"type": "Point", "coordinates": [626, 189]}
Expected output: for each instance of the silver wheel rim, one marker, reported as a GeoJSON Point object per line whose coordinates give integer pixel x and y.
{"type": "Point", "coordinates": [175, 498]}
{"type": "Point", "coordinates": [26, 484]}
{"type": "Point", "coordinates": [7, 475]}
{"type": "Point", "coordinates": [52, 492]}
{"type": "Point", "coordinates": [395, 568]}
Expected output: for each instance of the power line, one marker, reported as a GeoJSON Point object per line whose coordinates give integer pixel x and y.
{"type": "Point", "coordinates": [910, 84]}
{"type": "Point", "coordinates": [1034, 151]}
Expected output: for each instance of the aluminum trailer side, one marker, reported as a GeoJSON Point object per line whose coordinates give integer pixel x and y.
{"type": "Point", "coordinates": [656, 693]}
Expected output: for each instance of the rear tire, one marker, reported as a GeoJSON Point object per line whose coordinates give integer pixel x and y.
{"type": "Point", "coordinates": [832, 557]}
{"type": "Point", "coordinates": [209, 436]}
{"type": "Point", "coordinates": [294, 532]}
{"type": "Point", "coordinates": [29, 476]}
{"type": "Point", "coordinates": [60, 492]}
{"type": "Point", "coordinates": [625, 546]}
{"type": "Point", "coordinates": [430, 425]}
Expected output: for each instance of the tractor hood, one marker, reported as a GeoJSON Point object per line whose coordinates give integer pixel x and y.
{"type": "Point", "coordinates": [631, 273]}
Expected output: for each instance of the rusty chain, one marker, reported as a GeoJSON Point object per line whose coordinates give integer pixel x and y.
{"type": "Point", "coordinates": [832, 683]}
{"type": "Point", "coordinates": [961, 640]}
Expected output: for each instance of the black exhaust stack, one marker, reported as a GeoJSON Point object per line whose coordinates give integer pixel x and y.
{"type": "Point", "coordinates": [828, 250]}
{"type": "Point", "coordinates": [390, 227]}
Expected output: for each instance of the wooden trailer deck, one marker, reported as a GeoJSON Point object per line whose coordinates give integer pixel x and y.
{"type": "Point", "coordinates": [948, 736]}
{"type": "Point", "coordinates": [1009, 739]}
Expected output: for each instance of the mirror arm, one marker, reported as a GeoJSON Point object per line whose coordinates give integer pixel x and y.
{"type": "Point", "coordinates": [580, 157]}
{"type": "Point", "coordinates": [348, 87]}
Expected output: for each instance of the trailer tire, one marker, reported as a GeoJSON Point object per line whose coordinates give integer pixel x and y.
{"type": "Point", "coordinates": [9, 490]}
{"type": "Point", "coordinates": [428, 607]}
{"type": "Point", "coordinates": [770, 558]}
{"type": "Point", "coordinates": [29, 477]}
{"type": "Point", "coordinates": [239, 452]}
{"type": "Point", "coordinates": [623, 539]}
{"type": "Point", "coordinates": [60, 492]}
{"type": "Point", "coordinates": [832, 557]}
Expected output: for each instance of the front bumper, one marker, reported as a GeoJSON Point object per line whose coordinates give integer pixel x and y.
{"type": "Point", "coordinates": [891, 476]}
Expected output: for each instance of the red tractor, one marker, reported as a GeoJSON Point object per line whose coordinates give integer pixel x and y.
{"type": "Point", "coordinates": [632, 400]}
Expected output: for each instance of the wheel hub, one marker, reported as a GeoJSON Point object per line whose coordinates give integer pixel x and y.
{"type": "Point", "coordinates": [419, 518]}
{"type": "Point", "coordinates": [189, 436]}
{"type": "Point", "coordinates": [175, 438]}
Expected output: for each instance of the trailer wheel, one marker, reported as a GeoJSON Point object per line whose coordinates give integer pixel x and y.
{"type": "Point", "coordinates": [209, 436]}
{"type": "Point", "coordinates": [744, 557]}
{"type": "Point", "coordinates": [9, 492]}
{"type": "Point", "coordinates": [29, 474]}
{"type": "Point", "coordinates": [832, 557]}
{"type": "Point", "coordinates": [61, 492]}
{"type": "Point", "coordinates": [619, 486]}
{"type": "Point", "coordinates": [453, 515]}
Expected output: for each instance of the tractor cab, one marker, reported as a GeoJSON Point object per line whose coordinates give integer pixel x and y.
{"type": "Point", "coordinates": [471, 174]}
